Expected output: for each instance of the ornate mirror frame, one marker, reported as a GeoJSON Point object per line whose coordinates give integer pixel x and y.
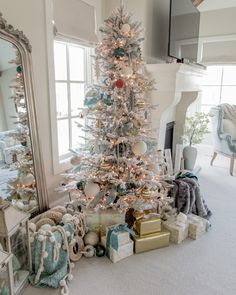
{"type": "Point", "coordinates": [16, 37]}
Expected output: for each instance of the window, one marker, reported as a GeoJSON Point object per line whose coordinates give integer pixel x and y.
{"type": "Point", "coordinates": [219, 86]}
{"type": "Point", "coordinates": [73, 71]}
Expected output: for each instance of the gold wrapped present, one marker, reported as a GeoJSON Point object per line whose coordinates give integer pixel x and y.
{"type": "Point", "coordinates": [151, 242]}
{"type": "Point", "coordinates": [197, 226]}
{"type": "Point", "coordinates": [178, 232]}
{"type": "Point", "coordinates": [98, 221]}
{"type": "Point", "coordinates": [149, 225]}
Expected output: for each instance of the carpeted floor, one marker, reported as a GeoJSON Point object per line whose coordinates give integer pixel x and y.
{"type": "Point", "coordinates": [203, 267]}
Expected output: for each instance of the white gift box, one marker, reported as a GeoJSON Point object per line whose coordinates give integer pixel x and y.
{"type": "Point", "coordinates": [178, 231]}
{"type": "Point", "coordinates": [123, 238]}
{"type": "Point", "coordinates": [123, 252]}
{"type": "Point", "coordinates": [197, 226]}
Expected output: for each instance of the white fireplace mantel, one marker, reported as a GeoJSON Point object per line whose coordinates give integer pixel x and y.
{"type": "Point", "coordinates": [177, 86]}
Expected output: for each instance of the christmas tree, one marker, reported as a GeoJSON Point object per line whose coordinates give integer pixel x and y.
{"type": "Point", "coordinates": [22, 190]}
{"type": "Point", "coordinates": [116, 166]}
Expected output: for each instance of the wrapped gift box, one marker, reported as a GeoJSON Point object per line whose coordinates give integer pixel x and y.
{"type": "Point", "coordinates": [123, 251]}
{"type": "Point", "coordinates": [123, 238]}
{"type": "Point", "coordinates": [178, 231]}
{"type": "Point", "coordinates": [197, 226]}
{"type": "Point", "coordinates": [149, 225]}
{"type": "Point", "coordinates": [151, 242]}
{"type": "Point", "coordinates": [98, 221]}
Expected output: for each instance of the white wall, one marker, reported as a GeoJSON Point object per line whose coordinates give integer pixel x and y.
{"type": "Point", "coordinates": [221, 25]}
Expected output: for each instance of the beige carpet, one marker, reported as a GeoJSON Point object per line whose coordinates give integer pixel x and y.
{"type": "Point", "coordinates": [203, 267]}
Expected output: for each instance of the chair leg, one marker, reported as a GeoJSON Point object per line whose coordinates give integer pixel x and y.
{"type": "Point", "coordinates": [232, 165]}
{"type": "Point", "coordinates": [213, 158]}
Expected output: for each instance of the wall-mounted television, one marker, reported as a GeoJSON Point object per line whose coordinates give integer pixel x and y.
{"type": "Point", "coordinates": [184, 31]}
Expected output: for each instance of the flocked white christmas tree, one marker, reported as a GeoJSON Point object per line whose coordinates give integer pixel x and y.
{"type": "Point", "coordinates": [116, 166]}
{"type": "Point", "coordinates": [22, 189]}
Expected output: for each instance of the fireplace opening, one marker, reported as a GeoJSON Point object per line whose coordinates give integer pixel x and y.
{"type": "Point", "coordinates": [169, 136]}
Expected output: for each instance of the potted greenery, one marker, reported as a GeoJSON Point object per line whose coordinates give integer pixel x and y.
{"type": "Point", "coordinates": [194, 130]}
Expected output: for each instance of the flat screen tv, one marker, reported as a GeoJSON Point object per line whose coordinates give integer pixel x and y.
{"type": "Point", "coordinates": [184, 31]}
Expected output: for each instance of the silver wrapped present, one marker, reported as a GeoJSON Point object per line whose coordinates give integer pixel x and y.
{"type": "Point", "coordinates": [178, 231]}
{"type": "Point", "coordinates": [197, 226]}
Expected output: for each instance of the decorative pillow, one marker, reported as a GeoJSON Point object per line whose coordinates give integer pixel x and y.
{"type": "Point", "coordinates": [229, 128]}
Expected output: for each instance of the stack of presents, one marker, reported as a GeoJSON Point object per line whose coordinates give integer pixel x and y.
{"type": "Point", "coordinates": [148, 232]}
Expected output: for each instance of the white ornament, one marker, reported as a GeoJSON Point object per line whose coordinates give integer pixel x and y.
{"type": "Point", "coordinates": [75, 160]}
{"type": "Point", "coordinates": [139, 148]}
{"type": "Point", "coordinates": [127, 71]}
{"type": "Point", "coordinates": [41, 238]}
{"type": "Point", "coordinates": [91, 93]}
{"type": "Point", "coordinates": [91, 189]}
{"type": "Point", "coordinates": [125, 28]}
{"type": "Point", "coordinates": [27, 180]}
{"type": "Point", "coordinates": [52, 239]}
{"type": "Point", "coordinates": [67, 218]}
{"type": "Point", "coordinates": [91, 238]}
{"type": "Point", "coordinates": [46, 227]}
{"type": "Point", "coordinates": [19, 204]}
{"type": "Point", "coordinates": [89, 251]}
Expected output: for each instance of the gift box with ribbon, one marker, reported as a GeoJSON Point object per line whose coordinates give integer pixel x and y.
{"type": "Point", "coordinates": [116, 235]}
{"type": "Point", "coordinates": [151, 242]}
{"type": "Point", "coordinates": [147, 222]}
{"type": "Point", "coordinates": [178, 228]}
{"type": "Point", "coordinates": [197, 226]}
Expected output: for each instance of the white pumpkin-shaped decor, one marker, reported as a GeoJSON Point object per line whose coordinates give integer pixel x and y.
{"type": "Point", "coordinates": [91, 189]}
{"type": "Point", "coordinates": [91, 238]}
{"type": "Point", "coordinates": [139, 148]}
{"type": "Point", "coordinates": [27, 179]}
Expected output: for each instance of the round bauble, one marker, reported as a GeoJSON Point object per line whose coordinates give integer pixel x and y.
{"type": "Point", "coordinates": [80, 185]}
{"type": "Point", "coordinates": [19, 69]}
{"type": "Point", "coordinates": [19, 204]}
{"type": "Point", "coordinates": [46, 227]}
{"type": "Point", "coordinates": [91, 238]}
{"type": "Point", "coordinates": [127, 71]}
{"type": "Point", "coordinates": [75, 160]}
{"type": "Point", "coordinates": [106, 166]}
{"type": "Point", "coordinates": [91, 93]}
{"type": "Point", "coordinates": [125, 28]}
{"type": "Point", "coordinates": [91, 189]}
{"type": "Point", "coordinates": [89, 251]}
{"type": "Point", "coordinates": [67, 218]}
{"type": "Point", "coordinates": [119, 52]}
{"type": "Point", "coordinates": [139, 148]}
{"type": "Point", "coordinates": [120, 83]}
{"type": "Point", "coordinates": [100, 251]}
{"type": "Point", "coordinates": [27, 179]}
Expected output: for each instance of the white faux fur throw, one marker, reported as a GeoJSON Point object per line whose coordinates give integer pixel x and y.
{"type": "Point", "coordinates": [229, 112]}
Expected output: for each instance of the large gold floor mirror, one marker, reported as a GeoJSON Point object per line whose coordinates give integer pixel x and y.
{"type": "Point", "coordinates": [22, 180]}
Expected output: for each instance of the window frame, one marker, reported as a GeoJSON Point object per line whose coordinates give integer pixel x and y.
{"type": "Point", "coordinates": [60, 164]}
{"type": "Point", "coordinates": [221, 85]}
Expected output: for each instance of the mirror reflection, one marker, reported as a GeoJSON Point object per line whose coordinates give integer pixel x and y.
{"type": "Point", "coordinates": [17, 179]}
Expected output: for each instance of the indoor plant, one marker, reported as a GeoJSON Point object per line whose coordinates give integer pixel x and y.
{"type": "Point", "coordinates": [194, 130]}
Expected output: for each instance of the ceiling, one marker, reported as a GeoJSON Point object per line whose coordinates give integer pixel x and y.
{"type": "Point", "coordinates": [7, 53]}
{"type": "Point", "coordinates": [207, 5]}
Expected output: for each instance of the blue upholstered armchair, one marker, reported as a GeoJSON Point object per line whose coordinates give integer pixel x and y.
{"type": "Point", "coordinates": [224, 136]}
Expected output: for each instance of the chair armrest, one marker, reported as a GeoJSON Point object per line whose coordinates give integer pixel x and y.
{"type": "Point", "coordinates": [227, 137]}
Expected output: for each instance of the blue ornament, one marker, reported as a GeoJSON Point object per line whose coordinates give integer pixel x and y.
{"type": "Point", "coordinates": [119, 52]}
